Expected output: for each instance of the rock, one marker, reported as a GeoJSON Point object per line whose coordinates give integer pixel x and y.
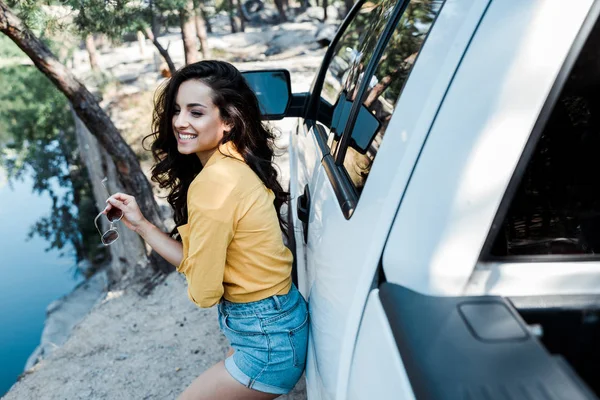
{"type": "Point", "coordinates": [121, 357]}
{"type": "Point", "coordinates": [316, 13]}
{"type": "Point", "coordinates": [326, 34]}
{"type": "Point", "coordinates": [84, 267]}
{"type": "Point", "coordinates": [65, 313]}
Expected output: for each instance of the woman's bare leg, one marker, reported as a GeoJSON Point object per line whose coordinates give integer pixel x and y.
{"type": "Point", "coordinates": [216, 384]}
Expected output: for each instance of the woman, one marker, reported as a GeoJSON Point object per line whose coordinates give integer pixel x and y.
{"type": "Point", "coordinates": [214, 154]}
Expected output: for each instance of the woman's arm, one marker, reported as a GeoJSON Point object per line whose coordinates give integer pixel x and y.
{"type": "Point", "coordinates": [170, 249]}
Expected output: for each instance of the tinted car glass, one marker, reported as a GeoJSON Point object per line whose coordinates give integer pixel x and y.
{"type": "Point", "coordinates": [350, 57]}
{"type": "Point", "coordinates": [385, 87]}
{"type": "Point", "coordinates": [556, 208]}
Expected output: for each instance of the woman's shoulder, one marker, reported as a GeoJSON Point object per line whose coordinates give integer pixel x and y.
{"type": "Point", "coordinates": [227, 176]}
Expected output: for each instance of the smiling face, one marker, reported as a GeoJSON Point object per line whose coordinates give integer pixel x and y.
{"type": "Point", "coordinates": [197, 122]}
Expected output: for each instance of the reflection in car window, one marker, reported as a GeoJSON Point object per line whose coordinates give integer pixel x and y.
{"type": "Point", "coordinates": [556, 209]}
{"type": "Point", "coordinates": [350, 57]}
{"type": "Point", "coordinates": [385, 88]}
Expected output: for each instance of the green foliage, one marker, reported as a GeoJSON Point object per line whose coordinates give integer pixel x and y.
{"type": "Point", "coordinates": [112, 18]}
{"type": "Point", "coordinates": [39, 139]}
{"type": "Point", "coordinates": [168, 11]}
{"type": "Point", "coordinates": [51, 24]}
{"type": "Point", "coordinates": [8, 49]}
{"type": "Point", "coordinates": [117, 17]}
{"type": "Point", "coordinates": [43, 18]}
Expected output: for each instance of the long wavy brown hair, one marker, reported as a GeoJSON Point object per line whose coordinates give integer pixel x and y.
{"type": "Point", "coordinates": [239, 108]}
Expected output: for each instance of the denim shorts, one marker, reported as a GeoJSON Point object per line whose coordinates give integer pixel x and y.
{"type": "Point", "coordinates": [270, 339]}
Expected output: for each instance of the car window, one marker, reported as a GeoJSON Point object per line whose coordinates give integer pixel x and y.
{"type": "Point", "coordinates": [350, 57]}
{"type": "Point", "coordinates": [385, 86]}
{"type": "Point", "coordinates": [556, 207]}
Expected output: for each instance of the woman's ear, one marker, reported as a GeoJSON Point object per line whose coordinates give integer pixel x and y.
{"type": "Point", "coordinates": [227, 128]}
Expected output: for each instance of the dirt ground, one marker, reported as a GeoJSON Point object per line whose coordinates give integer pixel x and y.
{"type": "Point", "coordinates": [133, 347]}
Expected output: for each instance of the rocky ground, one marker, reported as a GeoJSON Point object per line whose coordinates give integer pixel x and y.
{"type": "Point", "coordinates": [131, 346]}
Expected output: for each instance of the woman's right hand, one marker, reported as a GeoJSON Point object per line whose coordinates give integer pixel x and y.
{"type": "Point", "coordinates": [132, 216]}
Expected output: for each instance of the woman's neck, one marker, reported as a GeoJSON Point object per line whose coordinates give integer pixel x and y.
{"type": "Point", "coordinates": [204, 156]}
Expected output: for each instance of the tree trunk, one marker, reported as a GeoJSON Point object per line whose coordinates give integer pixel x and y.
{"type": "Point", "coordinates": [188, 33]}
{"type": "Point", "coordinates": [131, 176]}
{"type": "Point", "coordinates": [201, 32]}
{"type": "Point", "coordinates": [127, 254]}
{"type": "Point", "coordinates": [325, 10]}
{"type": "Point", "coordinates": [241, 15]}
{"type": "Point", "coordinates": [380, 87]}
{"type": "Point", "coordinates": [152, 33]}
{"type": "Point", "coordinates": [281, 10]}
{"type": "Point", "coordinates": [234, 28]}
{"type": "Point", "coordinates": [90, 45]}
{"type": "Point", "coordinates": [164, 53]}
{"type": "Point", "coordinates": [206, 19]}
{"type": "Point", "coordinates": [141, 43]}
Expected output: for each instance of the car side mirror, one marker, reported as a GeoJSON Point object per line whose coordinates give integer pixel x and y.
{"type": "Point", "coordinates": [365, 127]}
{"type": "Point", "coordinates": [273, 90]}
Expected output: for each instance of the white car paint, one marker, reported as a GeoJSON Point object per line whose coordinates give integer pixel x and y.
{"type": "Point", "coordinates": [535, 279]}
{"type": "Point", "coordinates": [377, 370]}
{"type": "Point", "coordinates": [342, 255]}
{"type": "Point", "coordinates": [476, 142]}
{"type": "Point", "coordinates": [443, 167]}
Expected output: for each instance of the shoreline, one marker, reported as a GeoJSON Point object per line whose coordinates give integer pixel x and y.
{"type": "Point", "coordinates": [63, 314]}
{"type": "Point", "coordinates": [132, 346]}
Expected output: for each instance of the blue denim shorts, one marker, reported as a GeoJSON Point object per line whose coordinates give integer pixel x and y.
{"type": "Point", "coordinates": [270, 339]}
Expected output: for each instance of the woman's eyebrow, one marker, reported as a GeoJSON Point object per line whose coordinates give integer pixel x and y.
{"type": "Point", "coordinates": [196, 105]}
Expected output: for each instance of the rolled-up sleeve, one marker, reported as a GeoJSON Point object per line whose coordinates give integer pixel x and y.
{"type": "Point", "coordinates": [211, 225]}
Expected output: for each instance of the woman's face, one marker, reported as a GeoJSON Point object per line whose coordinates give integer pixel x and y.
{"type": "Point", "coordinates": [197, 122]}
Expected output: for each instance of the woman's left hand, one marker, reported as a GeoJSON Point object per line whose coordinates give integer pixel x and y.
{"type": "Point", "coordinates": [132, 215]}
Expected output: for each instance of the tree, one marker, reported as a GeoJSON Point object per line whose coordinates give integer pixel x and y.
{"type": "Point", "coordinates": [88, 110]}
{"type": "Point", "coordinates": [119, 17]}
{"type": "Point", "coordinates": [406, 41]}
{"type": "Point", "coordinates": [39, 139]}
{"type": "Point", "coordinates": [141, 38]}
{"type": "Point", "coordinates": [232, 19]}
{"type": "Point", "coordinates": [152, 32]}
{"type": "Point", "coordinates": [188, 32]}
{"type": "Point", "coordinates": [201, 30]}
{"type": "Point", "coordinates": [241, 16]}
{"type": "Point", "coordinates": [281, 10]}
{"type": "Point", "coordinates": [90, 46]}
{"type": "Point", "coordinates": [204, 14]}
{"type": "Point", "coordinates": [163, 52]}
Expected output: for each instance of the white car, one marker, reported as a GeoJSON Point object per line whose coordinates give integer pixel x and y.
{"type": "Point", "coordinates": [448, 207]}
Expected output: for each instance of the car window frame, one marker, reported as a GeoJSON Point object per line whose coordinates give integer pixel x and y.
{"type": "Point", "coordinates": [344, 142]}
{"type": "Point", "coordinates": [342, 185]}
{"type": "Point", "coordinates": [537, 131]}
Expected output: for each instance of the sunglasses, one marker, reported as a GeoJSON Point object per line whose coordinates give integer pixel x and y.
{"type": "Point", "coordinates": [113, 215]}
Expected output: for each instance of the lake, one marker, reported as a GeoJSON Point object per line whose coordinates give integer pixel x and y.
{"type": "Point", "coordinates": [30, 278]}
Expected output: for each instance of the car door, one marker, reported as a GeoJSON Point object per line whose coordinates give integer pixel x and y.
{"type": "Point", "coordinates": [371, 106]}
{"type": "Point", "coordinates": [500, 203]}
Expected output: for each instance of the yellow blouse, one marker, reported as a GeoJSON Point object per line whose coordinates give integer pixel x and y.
{"type": "Point", "coordinates": [232, 243]}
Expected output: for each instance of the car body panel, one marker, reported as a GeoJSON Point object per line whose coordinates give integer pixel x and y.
{"type": "Point", "coordinates": [476, 142]}
{"type": "Point", "coordinates": [377, 369]}
{"type": "Point", "coordinates": [342, 255]}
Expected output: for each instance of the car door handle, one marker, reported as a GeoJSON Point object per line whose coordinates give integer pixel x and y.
{"type": "Point", "coordinates": [304, 211]}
